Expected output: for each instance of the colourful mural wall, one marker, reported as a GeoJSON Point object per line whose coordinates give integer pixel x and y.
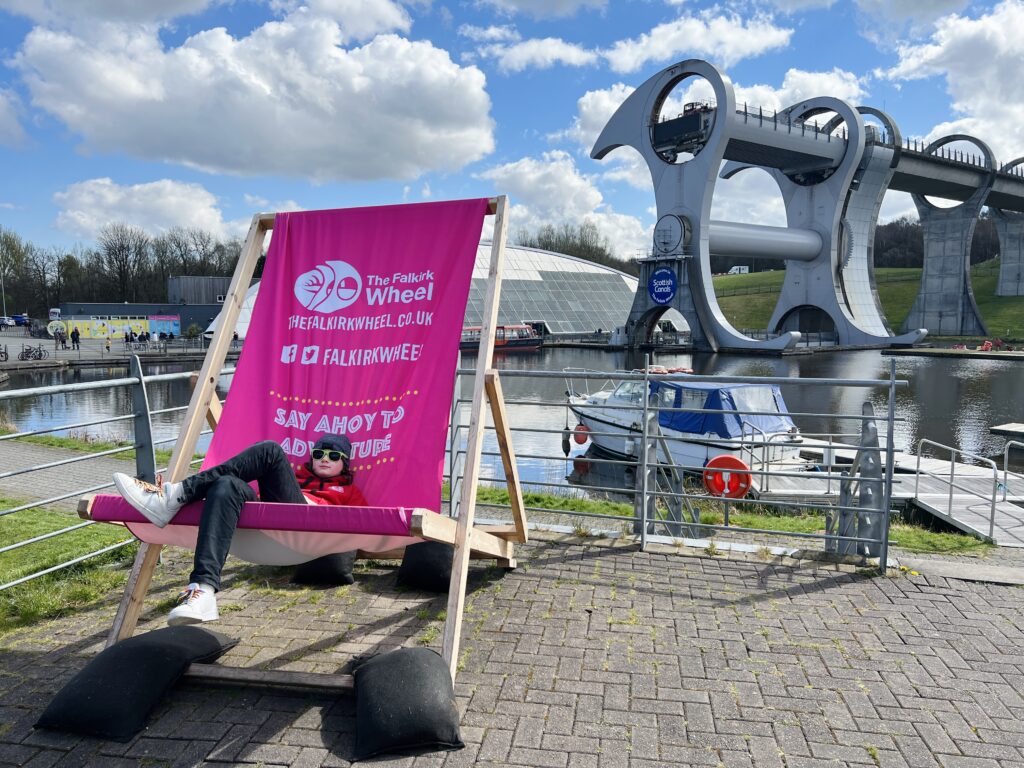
{"type": "Point", "coordinates": [115, 328]}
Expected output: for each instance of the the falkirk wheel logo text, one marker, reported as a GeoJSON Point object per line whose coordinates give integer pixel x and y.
{"type": "Point", "coordinates": [662, 285]}
{"type": "Point", "coordinates": [329, 287]}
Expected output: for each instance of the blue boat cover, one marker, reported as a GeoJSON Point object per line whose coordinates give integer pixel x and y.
{"type": "Point", "coordinates": [718, 398]}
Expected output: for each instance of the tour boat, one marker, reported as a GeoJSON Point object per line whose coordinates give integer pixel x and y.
{"type": "Point", "coordinates": [700, 420]}
{"type": "Point", "coordinates": [507, 338]}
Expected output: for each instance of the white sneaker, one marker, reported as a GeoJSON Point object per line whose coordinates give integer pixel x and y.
{"type": "Point", "coordinates": [158, 505]}
{"type": "Point", "coordinates": [196, 603]}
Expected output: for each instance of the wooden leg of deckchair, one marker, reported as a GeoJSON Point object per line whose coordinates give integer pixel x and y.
{"type": "Point", "coordinates": [474, 445]}
{"type": "Point", "coordinates": [134, 593]}
{"type": "Point", "coordinates": [508, 458]}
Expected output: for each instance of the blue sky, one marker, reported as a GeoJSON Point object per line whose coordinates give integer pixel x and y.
{"type": "Point", "coordinates": [164, 113]}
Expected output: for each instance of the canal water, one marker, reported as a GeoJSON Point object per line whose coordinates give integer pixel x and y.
{"type": "Point", "coordinates": [949, 401]}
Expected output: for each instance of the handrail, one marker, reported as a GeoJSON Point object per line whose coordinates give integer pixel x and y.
{"type": "Point", "coordinates": [952, 483]}
{"type": "Point", "coordinates": [1006, 463]}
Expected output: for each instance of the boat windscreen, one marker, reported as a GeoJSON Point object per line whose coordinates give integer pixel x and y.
{"type": "Point", "coordinates": [767, 400]}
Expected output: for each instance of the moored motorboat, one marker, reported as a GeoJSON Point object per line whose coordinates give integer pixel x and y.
{"type": "Point", "coordinates": [700, 420]}
{"type": "Point", "coordinates": [507, 338]}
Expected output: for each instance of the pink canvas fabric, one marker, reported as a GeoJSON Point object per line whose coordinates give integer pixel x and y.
{"type": "Point", "coordinates": [355, 331]}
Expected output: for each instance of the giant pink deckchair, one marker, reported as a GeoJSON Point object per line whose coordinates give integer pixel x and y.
{"type": "Point", "coordinates": [355, 330]}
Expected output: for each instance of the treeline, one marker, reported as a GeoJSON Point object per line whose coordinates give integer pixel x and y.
{"type": "Point", "coordinates": [899, 243]}
{"type": "Point", "coordinates": [126, 264]}
{"type": "Point", "coordinates": [583, 241]}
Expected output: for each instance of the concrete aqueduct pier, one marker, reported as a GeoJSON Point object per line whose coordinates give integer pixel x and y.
{"type": "Point", "coordinates": [832, 179]}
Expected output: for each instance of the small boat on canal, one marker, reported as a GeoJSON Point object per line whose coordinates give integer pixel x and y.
{"type": "Point", "coordinates": [507, 338]}
{"type": "Point", "coordinates": [701, 420]}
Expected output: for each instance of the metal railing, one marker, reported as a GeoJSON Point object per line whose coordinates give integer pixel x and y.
{"type": "Point", "coordinates": [662, 504]}
{"type": "Point", "coordinates": [142, 443]}
{"type": "Point", "coordinates": [640, 454]}
{"type": "Point", "coordinates": [952, 484]}
{"type": "Point", "coordinates": [1006, 464]}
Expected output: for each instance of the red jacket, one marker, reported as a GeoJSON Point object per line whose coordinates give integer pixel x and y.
{"type": "Point", "coordinates": [332, 490]}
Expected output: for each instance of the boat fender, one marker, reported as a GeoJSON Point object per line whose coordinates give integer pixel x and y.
{"type": "Point", "coordinates": [565, 441]}
{"type": "Point", "coordinates": [727, 476]}
{"type": "Point", "coordinates": [580, 466]}
{"type": "Point", "coordinates": [581, 434]}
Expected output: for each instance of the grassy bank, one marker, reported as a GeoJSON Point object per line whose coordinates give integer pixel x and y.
{"type": "Point", "coordinates": [913, 538]}
{"type": "Point", "coordinates": [65, 590]}
{"type": "Point", "coordinates": [92, 445]}
{"type": "Point", "coordinates": [748, 300]}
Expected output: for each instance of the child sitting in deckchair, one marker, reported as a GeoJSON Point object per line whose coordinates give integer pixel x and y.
{"type": "Point", "coordinates": [225, 488]}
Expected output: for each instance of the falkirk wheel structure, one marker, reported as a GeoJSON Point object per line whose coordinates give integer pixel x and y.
{"type": "Point", "coordinates": [832, 179]}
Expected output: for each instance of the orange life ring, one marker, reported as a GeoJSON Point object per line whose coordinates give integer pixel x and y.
{"type": "Point", "coordinates": [581, 434]}
{"type": "Point", "coordinates": [727, 476]}
{"type": "Point", "coordinates": [581, 466]}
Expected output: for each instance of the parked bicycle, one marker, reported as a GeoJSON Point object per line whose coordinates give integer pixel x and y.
{"type": "Point", "coordinates": [29, 352]}
{"type": "Point", "coordinates": [4, 357]}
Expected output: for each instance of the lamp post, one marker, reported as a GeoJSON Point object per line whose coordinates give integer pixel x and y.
{"type": "Point", "coordinates": [3, 296]}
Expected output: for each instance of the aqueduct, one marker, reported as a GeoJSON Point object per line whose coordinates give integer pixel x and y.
{"type": "Point", "coordinates": [832, 178]}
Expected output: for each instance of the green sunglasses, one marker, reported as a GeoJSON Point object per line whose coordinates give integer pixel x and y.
{"type": "Point", "coordinates": [319, 453]}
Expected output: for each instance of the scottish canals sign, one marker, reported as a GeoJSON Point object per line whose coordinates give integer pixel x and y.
{"type": "Point", "coordinates": [662, 285]}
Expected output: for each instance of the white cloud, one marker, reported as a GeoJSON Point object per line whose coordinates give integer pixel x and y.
{"type": "Point", "coordinates": [551, 190]}
{"type": "Point", "coordinates": [977, 57]}
{"type": "Point", "coordinates": [260, 204]}
{"type": "Point", "coordinates": [750, 197]}
{"type": "Point", "coordinates": [287, 99]}
{"type": "Point", "coordinates": [68, 11]}
{"type": "Point", "coordinates": [896, 205]}
{"type": "Point", "coordinates": [157, 206]}
{"type": "Point", "coordinates": [726, 39]}
{"type": "Point", "coordinates": [889, 17]}
{"type": "Point", "coordinates": [539, 54]}
{"type": "Point", "coordinates": [544, 8]}
{"type": "Point", "coordinates": [791, 6]}
{"type": "Point", "coordinates": [358, 19]}
{"type": "Point", "coordinates": [492, 34]}
{"type": "Point", "coordinates": [11, 132]}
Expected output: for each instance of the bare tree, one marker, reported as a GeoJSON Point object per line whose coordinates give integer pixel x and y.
{"type": "Point", "coordinates": [125, 252]}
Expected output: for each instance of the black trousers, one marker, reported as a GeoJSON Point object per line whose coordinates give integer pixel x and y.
{"type": "Point", "coordinates": [225, 488]}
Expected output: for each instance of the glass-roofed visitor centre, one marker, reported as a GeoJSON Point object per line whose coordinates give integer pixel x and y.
{"type": "Point", "coordinates": [557, 294]}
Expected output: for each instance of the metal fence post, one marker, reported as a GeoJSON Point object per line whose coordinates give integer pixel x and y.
{"type": "Point", "coordinates": [644, 436]}
{"type": "Point", "coordinates": [145, 458]}
{"type": "Point", "coordinates": [890, 460]}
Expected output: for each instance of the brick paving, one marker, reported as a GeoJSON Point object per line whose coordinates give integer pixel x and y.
{"type": "Point", "coordinates": [590, 655]}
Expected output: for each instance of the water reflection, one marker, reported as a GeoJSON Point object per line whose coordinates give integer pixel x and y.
{"type": "Point", "coordinates": [953, 402]}
{"type": "Point", "coordinates": [67, 408]}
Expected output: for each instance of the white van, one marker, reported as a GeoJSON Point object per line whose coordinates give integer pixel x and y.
{"type": "Point", "coordinates": [739, 271]}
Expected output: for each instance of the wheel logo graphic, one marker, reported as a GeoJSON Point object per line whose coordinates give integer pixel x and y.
{"type": "Point", "coordinates": [331, 286]}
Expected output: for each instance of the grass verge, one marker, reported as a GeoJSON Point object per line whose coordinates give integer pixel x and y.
{"type": "Point", "coordinates": [913, 538]}
{"type": "Point", "coordinates": [897, 289]}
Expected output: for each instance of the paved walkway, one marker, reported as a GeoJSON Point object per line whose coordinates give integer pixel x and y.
{"type": "Point", "coordinates": [588, 655]}
{"type": "Point", "coordinates": [591, 654]}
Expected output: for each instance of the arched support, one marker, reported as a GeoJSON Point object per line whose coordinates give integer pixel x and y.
{"type": "Point", "coordinates": [821, 203]}
{"type": "Point", "coordinates": [945, 302]}
{"type": "Point", "coordinates": [683, 190]}
{"type": "Point", "coordinates": [1010, 228]}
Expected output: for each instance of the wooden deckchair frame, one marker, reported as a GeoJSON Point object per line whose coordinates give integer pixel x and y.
{"type": "Point", "coordinates": [468, 540]}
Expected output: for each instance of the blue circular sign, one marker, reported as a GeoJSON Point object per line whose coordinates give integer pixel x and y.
{"type": "Point", "coordinates": [662, 285]}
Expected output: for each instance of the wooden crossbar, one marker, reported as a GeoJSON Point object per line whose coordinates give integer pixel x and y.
{"type": "Point", "coordinates": [467, 539]}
